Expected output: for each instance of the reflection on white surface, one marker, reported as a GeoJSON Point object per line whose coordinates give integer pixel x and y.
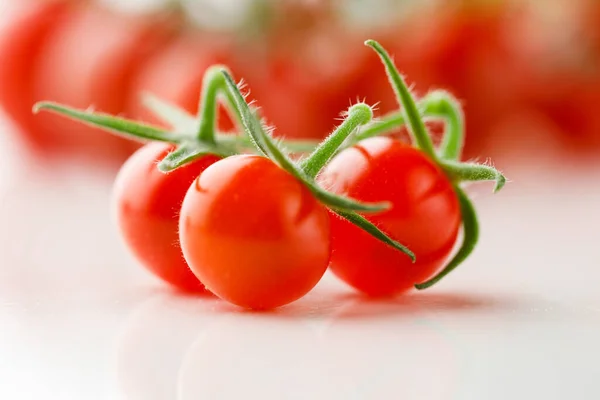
{"type": "Point", "coordinates": [80, 320]}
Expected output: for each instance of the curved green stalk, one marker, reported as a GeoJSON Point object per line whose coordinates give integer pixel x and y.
{"type": "Point", "coordinates": [470, 239]}
{"type": "Point", "coordinates": [343, 206]}
{"type": "Point", "coordinates": [440, 103]}
{"type": "Point", "coordinates": [406, 101]}
{"type": "Point", "coordinates": [358, 114]}
{"type": "Point", "coordinates": [212, 84]}
{"type": "Point", "coordinates": [473, 172]}
{"type": "Point", "coordinates": [436, 104]}
{"type": "Point", "coordinates": [120, 126]}
{"type": "Point", "coordinates": [267, 146]}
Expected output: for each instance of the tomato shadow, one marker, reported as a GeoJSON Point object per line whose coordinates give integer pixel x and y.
{"type": "Point", "coordinates": [356, 306]}
{"type": "Point", "coordinates": [415, 304]}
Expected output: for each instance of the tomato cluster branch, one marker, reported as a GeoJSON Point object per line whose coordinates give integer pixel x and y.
{"type": "Point", "coordinates": [342, 206]}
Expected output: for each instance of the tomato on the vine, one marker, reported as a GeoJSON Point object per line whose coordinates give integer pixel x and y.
{"type": "Point", "coordinates": [254, 234]}
{"type": "Point", "coordinates": [146, 204]}
{"type": "Point", "coordinates": [425, 216]}
{"type": "Point", "coordinates": [89, 60]}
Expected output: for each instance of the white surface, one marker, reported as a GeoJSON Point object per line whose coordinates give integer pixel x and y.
{"type": "Point", "coordinates": [80, 320]}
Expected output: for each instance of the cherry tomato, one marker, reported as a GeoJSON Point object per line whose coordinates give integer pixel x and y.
{"type": "Point", "coordinates": [146, 203]}
{"type": "Point", "coordinates": [253, 234]}
{"type": "Point", "coordinates": [89, 60]}
{"type": "Point", "coordinates": [23, 34]}
{"type": "Point", "coordinates": [425, 216]}
{"type": "Point", "coordinates": [175, 74]}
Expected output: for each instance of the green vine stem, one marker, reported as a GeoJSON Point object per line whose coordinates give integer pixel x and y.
{"type": "Point", "coordinates": [213, 84]}
{"type": "Point", "coordinates": [443, 104]}
{"type": "Point", "coordinates": [116, 125]}
{"type": "Point", "coordinates": [359, 114]}
{"type": "Point", "coordinates": [343, 206]}
{"type": "Point", "coordinates": [472, 172]}
{"type": "Point", "coordinates": [436, 104]}
{"type": "Point", "coordinates": [406, 100]}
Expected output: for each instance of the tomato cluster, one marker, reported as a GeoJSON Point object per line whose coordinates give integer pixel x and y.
{"type": "Point", "coordinates": [235, 215]}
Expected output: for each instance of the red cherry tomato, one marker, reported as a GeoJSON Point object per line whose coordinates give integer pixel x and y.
{"type": "Point", "coordinates": [146, 203]}
{"type": "Point", "coordinates": [253, 234]}
{"type": "Point", "coordinates": [175, 74]}
{"type": "Point", "coordinates": [89, 61]}
{"type": "Point", "coordinates": [22, 35]}
{"type": "Point", "coordinates": [425, 216]}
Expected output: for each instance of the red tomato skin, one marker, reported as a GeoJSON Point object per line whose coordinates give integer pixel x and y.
{"type": "Point", "coordinates": [146, 205]}
{"type": "Point", "coordinates": [175, 74]}
{"type": "Point", "coordinates": [425, 216]}
{"type": "Point", "coordinates": [21, 40]}
{"type": "Point", "coordinates": [90, 61]}
{"type": "Point", "coordinates": [253, 234]}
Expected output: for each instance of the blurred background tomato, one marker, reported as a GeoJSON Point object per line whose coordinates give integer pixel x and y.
{"type": "Point", "coordinates": [527, 72]}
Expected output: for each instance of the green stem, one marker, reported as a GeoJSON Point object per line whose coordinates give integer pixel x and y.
{"type": "Point", "coordinates": [406, 100]}
{"type": "Point", "coordinates": [440, 103]}
{"type": "Point", "coordinates": [384, 126]}
{"type": "Point", "coordinates": [119, 126]}
{"type": "Point", "coordinates": [473, 172]}
{"type": "Point", "coordinates": [343, 206]}
{"type": "Point", "coordinates": [470, 238]}
{"type": "Point", "coordinates": [212, 84]}
{"type": "Point", "coordinates": [359, 114]}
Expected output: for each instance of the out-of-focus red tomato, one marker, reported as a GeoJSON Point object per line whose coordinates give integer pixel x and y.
{"type": "Point", "coordinates": [90, 59]}
{"type": "Point", "coordinates": [176, 72]}
{"type": "Point", "coordinates": [22, 35]}
{"type": "Point", "coordinates": [560, 71]}
{"type": "Point", "coordinates": [460, 48]}
{"type": "Point", "coordinates": [303, 89]}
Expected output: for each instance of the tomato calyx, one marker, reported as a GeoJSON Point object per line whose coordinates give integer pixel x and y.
{"type": "Point", "coordinates": [439, 104]}
{"type": "Point", "coordinates": [357, 115]}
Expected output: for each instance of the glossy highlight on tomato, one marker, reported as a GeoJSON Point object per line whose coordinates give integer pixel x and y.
{"type": "Point", "coordinates": [146, 204]}
{"type": "Point", "coordinates": [425, 216]}
{"type": "Point", "coordinates": [253, 234]}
